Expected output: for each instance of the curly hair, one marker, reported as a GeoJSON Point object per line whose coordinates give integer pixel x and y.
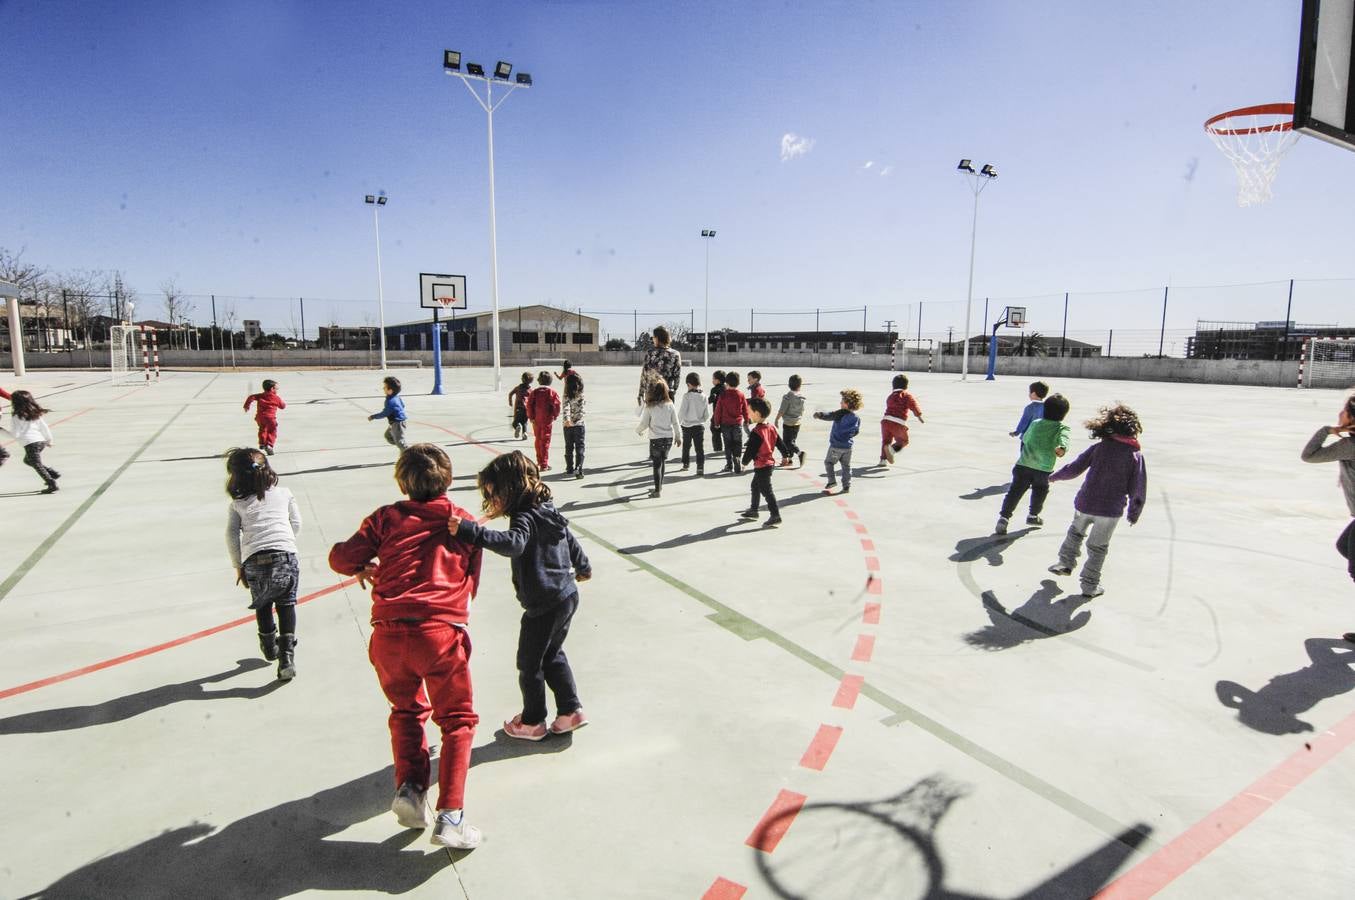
{"type": "Point", "coordinates": [1118, 420]}
{"type": "Point", "coordinates": [511, 483]}
{"type": "Point", "coordinates": [852, 398]}
{"type": "Point", "coordinates": [248, 473]}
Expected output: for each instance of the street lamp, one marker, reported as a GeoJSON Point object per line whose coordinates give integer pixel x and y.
{"type": "Point", "coordinates": [707, 233]}
{"type": "Point", "coordinates": [978, 181]}
{"type": "Point", "coordinates": [451, 65]}
{"type": "Point", "coordinates": [376, 202]}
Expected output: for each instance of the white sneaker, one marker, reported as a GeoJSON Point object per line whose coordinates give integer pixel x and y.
{"type": "Point", "coordinates": [1092, 591]}
{"type": "Point", "coordinates": [889, 453]}
{"type": "Point", "coordinates": [410, 807]}
{"type": "Point", "coordinates": [452, 830]}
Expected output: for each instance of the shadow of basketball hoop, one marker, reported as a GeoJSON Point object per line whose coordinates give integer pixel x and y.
{"type": "Point", "coordinates": [887, 849]}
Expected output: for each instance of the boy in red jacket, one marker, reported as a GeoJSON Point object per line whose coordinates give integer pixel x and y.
{"type": "Point", "coordinates": [731, 410]}
{"type": "Point", "coordinates": [266, 415]}
{"type": "Point", "coordinates": [543, 408]}
{"type": "Point", "coordinates": [422, 581]}
{"type": "Point", "coordinates": [893, 427]}
{"type": "Point", "coordinates": [761, 451]}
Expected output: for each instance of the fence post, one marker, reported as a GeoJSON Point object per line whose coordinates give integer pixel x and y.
{"type": "Point", "coordinates": [1063, 344]}
{"type": "Point", "coordinates": [1162, 333]}
{"type": "Point", "coordinates": [1110, 344]}
{"type": "Point", "coordinates": [1284, 343]}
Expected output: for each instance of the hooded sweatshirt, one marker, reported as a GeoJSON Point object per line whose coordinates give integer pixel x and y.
{"type": "Point", "coordinates": [1115, 474]}
{"type": "Point", "coordinates": [1341, 452]}
{"type": "Point", "coordinates": [423, 572]}
{"type": "Point", "coordinates": [269, 404]}
{"type": "Point", "coordinates": [543, 552]}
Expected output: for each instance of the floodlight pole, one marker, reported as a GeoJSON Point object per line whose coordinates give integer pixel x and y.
{"type": "Point", "coordinates": [707, 235]}
{"type": "Point", "coordinates": [380, 284]}
{"type": "Point", "coordinates": [978, 181]}
{"type": "Point", "coordinates": [488, 105]}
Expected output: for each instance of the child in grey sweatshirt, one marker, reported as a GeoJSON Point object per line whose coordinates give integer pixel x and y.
{"type": "Point", "coordinates": [1343, 454]}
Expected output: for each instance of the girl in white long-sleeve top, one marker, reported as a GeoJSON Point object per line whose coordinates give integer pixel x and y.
{"type": "Point", "coordinates": [31, 432]}
{"type": "Point", "coordinates": [660, 419]}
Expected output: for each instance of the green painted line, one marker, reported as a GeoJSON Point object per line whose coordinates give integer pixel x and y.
{"type": "Point", "coordinates": [42, 549]}
{"type": "Point", "coordinates": [749, 629]}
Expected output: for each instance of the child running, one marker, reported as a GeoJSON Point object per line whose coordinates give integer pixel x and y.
{"type": "Point", "coordinates": [894, 425]}
{"type": "Point", "coordinates": [1034, 409]}
{"type": "Point", "coordinates": [846, 425]}
{"type": "Point", "coordinates": [517, 398]}
{"type": "Point", "coordinates": [4, 454]}
{"type": "Point", "coordinates": [692, 416]}
{"type": "Point", "coordinates": [717, 387]}
{"type": "Point", "coordinates": [1116, 478]}
{"type": "Point", "coordinates": [31, 432]}
{"type": "Point", "coordinates": [261, 530]}
{"type": "Point", "coordinates": [761, 452]}
{"type": "Point", "coordinates": [543, 552]}
{"type": "Point", "coordinates": [1343, 453]}
{"type": "Point", "coordinates": [422, 580]}
{"type": "Point", "coordinates": [266, 414]}
{"type": "Point", "coordinates": [393, 412]}
{"type": "Point", "coordinates": [660, 419]}
{"type": "Point", "coordinates": [572, 411]}
{"type": "Point", "coordinates": [543, 408]}
{"type": "Point", "coordinates": [731, 411]}
{"type": "Point", "coordinates": [1043, 442]}
{"type": "Point", "coordinates": [792, 409]}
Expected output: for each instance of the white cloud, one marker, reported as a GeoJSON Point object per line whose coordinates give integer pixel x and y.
{"type": "Point", "coordinates": [884, 171]}
{"type": "Point", "coordinates": [870, 163]}
{"type": "Point", "coordinates": [793, 146]}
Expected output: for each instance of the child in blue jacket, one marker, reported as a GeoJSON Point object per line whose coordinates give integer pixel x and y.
{"type": "Point", "coordinates": [846, 424]}
{"type": "Point", "coordinates": [393, 412]}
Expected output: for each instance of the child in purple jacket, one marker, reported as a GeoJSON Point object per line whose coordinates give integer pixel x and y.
{"type": "Point", "coordinates": [1116, 476]}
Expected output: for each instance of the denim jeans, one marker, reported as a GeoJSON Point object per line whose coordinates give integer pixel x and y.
{"type": "Point", "coordinates": [273, 577]}
{"type": "Point", "coordinates": [842, 456]}
{"type": "Point", "coordinates": [1024, 478]}
{"type": "Point", "coordinates": [732, 436]}
{"type": "Point", "coordinates": [542, 661]}
{"type": "Point", "coordinates": [1096, 530]}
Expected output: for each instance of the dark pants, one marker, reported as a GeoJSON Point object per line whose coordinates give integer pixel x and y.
{"type": "Point", "coordinates": [542, 661]}
{"type": "Point", "coordinates": [573, 447]}
{"type": "Point", "coordinates": [273, 577]}
{"type": "Point", "coordinates": [424, 668]}
{"type": "Point", "coordinates": [786, 442]}
{"type": "Point", "coordinates": [733, 441]}
{"type": "Point", "coordinates": [762, 487]}
{"type": "Point", "coordinates": [716, 445]}
{"type": "Point", "coordinates": [33, 459]}
{"type": "Point", "coordinates": [658, 458]}
{"type": "Point", "coordinates": [694, 435]}
{"type": "Point", "coordinates": [1345, 545]}
{"type": "Point", "coordinates": [1025, 479]}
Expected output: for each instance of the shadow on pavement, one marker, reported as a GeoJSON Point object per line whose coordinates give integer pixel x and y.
{"type": "Point", "coordinates": [988, 547]}
{"type": "Point", "coordinates": [993, 490]}
{"type": "Point", "coordinates": [1044, 615]}
{"type": "Point", "coordinates": [1275, 708]}
{"type": "Point", "coordinates": [505, 747]}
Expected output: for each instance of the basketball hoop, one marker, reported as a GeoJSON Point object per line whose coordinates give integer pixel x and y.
{"type": "Point", "coordinates": [1255, 139]}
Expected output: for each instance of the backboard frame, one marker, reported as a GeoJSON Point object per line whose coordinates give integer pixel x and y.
{"type": "Point", "coordinates": [1016, 317]}
{"type": "Point", "coordinates": [435, 284]}
{"type": "Point", "coordinates": [1324, 105]}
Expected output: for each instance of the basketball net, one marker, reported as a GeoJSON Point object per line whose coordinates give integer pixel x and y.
{"type": "Point", "coordinates": [1255, 139]}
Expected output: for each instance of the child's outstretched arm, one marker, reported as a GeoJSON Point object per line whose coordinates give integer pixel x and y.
{"type": "Point", "coordinates": [248, 401]}
{"type": "Point", "coordinates": [357, 555]}
{"type": "Point", "coordinates": [1138, 491]}
{"type": "Point", "coordinates": [583, 570]}
{"type": "Point", "coordinates": [510, 543]}
{"type": "Point", "coordinates": [1076, 467]}
{"type": "Point", "coordinates": [233, 543]}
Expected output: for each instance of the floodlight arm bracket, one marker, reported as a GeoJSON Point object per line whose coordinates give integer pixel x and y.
{"type": "Point", "coordinates": [511, 88]}
{"type": "Point", "coordinates": [473, 92]}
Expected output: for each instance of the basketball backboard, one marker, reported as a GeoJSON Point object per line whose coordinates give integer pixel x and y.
{"type": "Point", "coordinates": [1016, 317]}
{"type": "Point", "coordinates": [1324, 104]}
{"type": "Point", "coordinates": [438, 291]}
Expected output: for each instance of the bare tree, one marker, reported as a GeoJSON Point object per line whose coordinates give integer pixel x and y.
{"type": "Point", "coordinates": [26, 276]}
{"type": "Point", "coordinates": [79, 291]}
{"type": "Point", "coordinates": [681, 333]}
{"type": "Point", "coordinates": [177, 306]}
{"type": "Point", "coordinates": [228, 315]}
{"type": "Point", "coordinates": [557, 321]}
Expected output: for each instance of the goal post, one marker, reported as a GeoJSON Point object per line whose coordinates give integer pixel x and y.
{"type": "Point", "coordinates": [125, 361]}
{"type": "Point", "coordinates": [1327, 363]}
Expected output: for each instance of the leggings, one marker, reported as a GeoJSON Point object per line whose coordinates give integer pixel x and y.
{"type": "Point", "coordinates": [1345, 545]}
{"type": "Point", "coordinates": [658, 458]}
{"type": "Point", "coordinates": [33, 459]}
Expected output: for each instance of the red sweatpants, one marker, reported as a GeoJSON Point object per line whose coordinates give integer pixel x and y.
{"type": "Point", "coordinates": [542, 431]}
{"type": "Point", "coordinates": [417, 663]}
{"type": "Point", "coordinates": [892, 433]}
{"type": "Point", "coordinates": [268, 431]}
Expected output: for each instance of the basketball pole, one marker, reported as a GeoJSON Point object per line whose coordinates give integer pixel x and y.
{"type": "Point", "coordinates": [380, 285]}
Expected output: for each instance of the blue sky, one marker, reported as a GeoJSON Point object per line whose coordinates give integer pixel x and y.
{"type": "Point", "coordinates": [229, 145]}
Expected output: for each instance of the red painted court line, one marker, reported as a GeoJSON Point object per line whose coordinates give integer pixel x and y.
{"type": "Point", "coordinates": [875, 586]}
{"type": "Point", "coordinates": [840, 502]}
{"type": "Point", "coordinates": [871, 615]}
{"type": "Point", "coordinates": [868, 545]}
{"type": "Point", "coordinates": [860, 529]}
{"type": "Point", "coordinates": [821, 747]}
{"type": "Point", "coordinates": [776, 821]}
{"type": "Point", "coordinates": [865, 647]}
{"type": "Point", "coordinates": [1207, 835]}
{"type": "Point", "coordinates": [167, 645]}
{"type": "Point", "coordinates": [851, 514]}
{"type": "Point", "coordinates": [872, 563]}
{"type": "Point", "coordinates": [847, 690]}
{"type": "Point", "coordinates": [724, 889]}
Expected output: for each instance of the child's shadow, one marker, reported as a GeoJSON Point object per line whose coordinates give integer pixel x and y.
{"type": "Point", "coordinates": [992, 490]}
{"type": "Point", "coordinates": [1274, 708]}
{"type": "Point", "coordinates": [1042, 616]}
{"type": "Point", "coordinates": [988, 547]}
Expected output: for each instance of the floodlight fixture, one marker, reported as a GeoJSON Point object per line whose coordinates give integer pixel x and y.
{"type": "Point", "coordinates": [370, 199]}
{"type": "Point", "coordinates": [475, 69]}
{"type": "Point", "coordinates": [966, 165]}
{"type": "Point", "coordinates": [988, 170]}
{"type": "Point", "coordinates": [451, 60]}
{"type": "Point", "coordinates": [705, 232]}
{"type": "Point", "coordinates": [381, 201]}
{"type": "Point", "coordinates": [502, 70]}
{"type": "Point", "coordinates": [524, 80]}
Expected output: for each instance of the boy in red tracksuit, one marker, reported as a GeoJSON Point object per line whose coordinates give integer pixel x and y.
{"type": "Point", "coordinates": [423, 579]}
{"type": "Point", "coordinates": [543, 408]}
{"type": "Point", "coordinates": [266, 415]}
{"type": "Point", "coordinates": [893, 427]}
{"type": "Point", "coordinates": [731, 411]}
{"type": "Point", "coordinates": [761, 452]}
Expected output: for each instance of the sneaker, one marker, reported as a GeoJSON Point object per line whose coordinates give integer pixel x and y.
{"type": "Point", "coordinates": [882, 462]}
{"type": "Point", "coordinates": [748, 514]}
{"type": "Point", "coordinates": [802, 459]}
{"type": "Point", "coordinates": [578, 473]}
{"type": "Point", "coordinates": [1060, 569]}
{"type": "Point", "coordinates": [738, 468]}
{"type": "Point", "coordinates": [51, 488]}
{"type": "Point", "coordinates": [700, 471]}
{"type": "Point", "coordinates": [846, 489]}
{"type": "Point", "coordinates": [1034, 521]}
{"type": "Point", "coordinates": [452, 830]}
{"type": "Point", "coordinates": [268, 450]}
{"type": "Point", "coordinates": [889, 454]}
{"type": "Point", "coordinates": [1092, 591]}
{"type": "Point", "coordinates": [772, 522]}
{"type": "Point", "coordinates": [786, 462]}
{"type": "Point", "coordinates": [515, 729]}
{"type": "Point", "coordinates": [410, 807]}
{"type": "Point", "coordinates": [655, 493]}
{"type": "Point", "coordinates": [1001, 526]}
{"type": "Point", "coordinates": [726, 469]}
{"type": "Point", "coordinates": [54, 473]}
{"type": "Point", "coordinates": [828, 488]}
{"type": "Point", "coordinates": [564, 724]}
{"type": "Point", "coordinates": [517, 432]}
{"type": "Point", "coordinates": [569, 470]}
{"type": "Point", "coordinates": [545, 468]}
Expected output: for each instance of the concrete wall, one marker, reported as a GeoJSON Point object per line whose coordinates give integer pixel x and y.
{"type": "Point", "coordinates": [1264, 373]}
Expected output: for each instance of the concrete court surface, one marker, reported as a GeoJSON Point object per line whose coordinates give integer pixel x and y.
{"type": "Point", "coordinates": [878, 699]}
